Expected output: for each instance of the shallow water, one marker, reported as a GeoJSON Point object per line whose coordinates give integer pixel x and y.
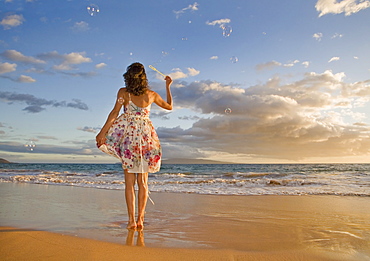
{"type": "Point", "coordinates": [329, 224]}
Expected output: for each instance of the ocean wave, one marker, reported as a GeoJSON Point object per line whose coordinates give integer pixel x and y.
{"type": "Point", "coordinates": [206, 179]}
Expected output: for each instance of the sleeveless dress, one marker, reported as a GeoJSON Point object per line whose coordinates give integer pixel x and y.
{"type": "Point", "coordinates": [133, 139]}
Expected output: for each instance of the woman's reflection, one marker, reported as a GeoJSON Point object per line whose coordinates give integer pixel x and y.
{"type": "Point", "coordinates": [131, 237]}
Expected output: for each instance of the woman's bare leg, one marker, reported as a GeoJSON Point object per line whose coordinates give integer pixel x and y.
{"type": "Point", "coordinates": [142, 181]}
{"type": "Point", "coordinates": [130, 198]}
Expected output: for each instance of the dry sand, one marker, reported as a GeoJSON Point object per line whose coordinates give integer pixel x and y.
{"type": "Point", "coordinates": [89, 225]}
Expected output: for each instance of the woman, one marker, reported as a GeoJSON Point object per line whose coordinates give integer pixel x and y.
{"type": "Point", "coordinates": [132, 138]}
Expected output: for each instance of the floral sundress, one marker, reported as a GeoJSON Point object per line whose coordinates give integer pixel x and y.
{"type": "Point", "coordinates": [133, 139]}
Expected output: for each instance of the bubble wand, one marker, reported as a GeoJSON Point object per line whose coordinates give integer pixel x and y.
{"type": "Point", "coordinates": [155, 69]}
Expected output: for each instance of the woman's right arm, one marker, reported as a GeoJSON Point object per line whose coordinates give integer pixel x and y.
{"type": "Point", "coordinates": [100, 138]}
{"type": "Point", "coordinates": [158, 99]}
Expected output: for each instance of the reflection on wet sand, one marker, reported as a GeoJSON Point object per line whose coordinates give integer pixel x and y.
{"type": "Point", "coordinates": [131, 237]}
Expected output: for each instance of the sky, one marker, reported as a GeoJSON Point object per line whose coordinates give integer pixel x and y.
{"type": "Point", "coordinates": [260, 81]}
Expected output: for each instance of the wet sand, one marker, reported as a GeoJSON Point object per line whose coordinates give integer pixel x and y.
{"type": "Point", "coordinates": [90, 223]}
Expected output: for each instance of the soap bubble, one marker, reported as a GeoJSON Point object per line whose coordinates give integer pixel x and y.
{"type": "Point", "coordinates": [234, 59]}
{"type": "Point", "coordinates": [184, 38]}
{"type": "Point", "coordinates": [30, 145]}
{"type": "Point", "coordinates": [227, 110]}
{"type": "Point", "coordinates": [226, 30]}
{"type": "Point", "coordinates": [93, 9]}
{"type": "Point", "coordinates": [120, 100]}
{"type": "Point", "coordinates": [164, 53]}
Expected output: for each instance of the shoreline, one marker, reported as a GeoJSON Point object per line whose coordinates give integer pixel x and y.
{"type": "Point", "coordinates": [275, 226]}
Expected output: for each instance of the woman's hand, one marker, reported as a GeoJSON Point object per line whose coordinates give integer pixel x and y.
{"type": "Point", "coordinates": [168, 80]}
{"type": "Point", "coordinates": [100, 139]}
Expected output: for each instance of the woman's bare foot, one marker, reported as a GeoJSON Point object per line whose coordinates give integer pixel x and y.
{"type": "Point", "coordinates": [131, 225]}
{"type": "Point", "coordinates": [140, 223]}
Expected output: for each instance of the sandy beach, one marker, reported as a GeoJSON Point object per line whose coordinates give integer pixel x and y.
{"type": "Point", "coordinates": [43, 222]}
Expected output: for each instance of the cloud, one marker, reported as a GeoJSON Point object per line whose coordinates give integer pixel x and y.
{"type": "Point", "coordinates": [347, 7]}
{"type": "Point", "coordinates": [36, 105]}
{"type": "Point", "coordinates": [179, 74]}
{"type": "Point", "coordinates": [273, 64]}
{"type": "Point", "coordinates": [193, 7]}
{"type": "Point", "coordinates": [306, 64]}
{"type": "Point", "coordinates": [336, 35]}
{"type": "Point", "coordinates": [334, 59]}
{"type": "Point", "coordinates": [80, 26]}
{"type": "Point", "coordinates": [80, 74]}
{"type": "Point", "coordinates": [192, 72]}
{"type": "Point", "coordinates": [163, 115]}
{"type": "Point", "coordinates": [7, 67]}
{"type": "Point", "coordinates": [189, 118]}
{"type": "Point", "coordinates": [317, 36]}
{"type": "Point", "coordinates": [300, 119]}
{"type": "Point", "coordinates": [66, 60]}
{"type": "Point", "coordinates": [215, 57]}
{"type": "Point", "coordinates": [268, 65]}
{"type": "Point", "coordinates": [16, 56]}
{"type": "Point", "coordinates": [100, 65]}
{"type": "Point", "coordinates": [220, 22]}
{"type": "Point", "coordinates": [47, 137]}
{"type": "Point", "coordinates": [89, 129]}
{"type": "Point", "coordinates": [12, 21]}
{"type": "Point", "coordinates": [25, 79]}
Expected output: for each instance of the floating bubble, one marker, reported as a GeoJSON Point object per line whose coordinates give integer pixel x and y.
{"type": "Point", "coordinates": [226, 30]}
{"type": "Point", "coordinates": [227, 110]}
{"type": "Point", "coordinates": [184, 38]}
{"type": "Point", "coordinates": [93, 9]}
{"type": "Point", "coordinates": [164, 53]}
{"type": "Point", "coordinates": [234, 59]}
{"type": "Point", "coordinates": [120, 100]}
{"type": "Point", "coordinates": [30, 145]}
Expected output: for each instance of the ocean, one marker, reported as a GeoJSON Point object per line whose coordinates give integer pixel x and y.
{"type": "Point", "coordinates": [213, 179]}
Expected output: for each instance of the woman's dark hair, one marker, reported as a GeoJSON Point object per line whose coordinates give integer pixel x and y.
{"type": "Point", "coordinates": [135, 79]}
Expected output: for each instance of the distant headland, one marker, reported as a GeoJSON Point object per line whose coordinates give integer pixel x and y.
{"type": "Point", "coordinates": [4, 161]}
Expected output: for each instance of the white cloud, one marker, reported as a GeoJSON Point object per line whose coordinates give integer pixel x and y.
{"type": "Point", "coordinates": [80, 26]}
{"type": "Point", "coordinates": [336, 35]}
{"type": "Point", "coordinates": [347, 7]}
{"type": "Point", "coordinates": [179, 74]}
{"type": "Point", "coordinates": [76, 58]}
{"type": "Point", "coordinates": [291, 64]}
{"type": "Point", "coordinates": [100, 65]}
{"type": "Point", "coordinates": [67, 60]}
{"type": "Point", "coordinates": [333, 59]}
{"type": "Point", "coordinates": [272, 64]}
{"type": "Point", "coordinates": [24, 79]}
{"type": "Point", "coordinates": [7, 67]}
{"type": "Point", "coordinates": [268, 65]}
{"type": "Point", "coordinates": [219, 22]}
{"type": "Point", "coordinates": [193, 7]}
{"type": "Point", "coordinates": [12, 21]}
{"type": "Point", "coordinates": [16, 56]}
{"type": "Point", "coordinates": [306, 64]}
{"type": "Point", "coordinates": [192, 72]}
{"type": "Point", "coordinates": [317, 36]}
{"type": "Point", "coordinates": [215, 57]}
